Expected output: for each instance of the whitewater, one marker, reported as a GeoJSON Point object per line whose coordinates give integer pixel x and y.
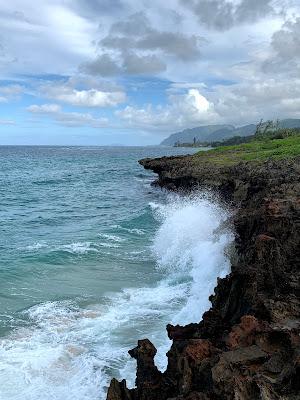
{"type": "Point", "coordinates": [78, 289]}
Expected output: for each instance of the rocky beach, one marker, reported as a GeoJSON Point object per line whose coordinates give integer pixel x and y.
{"type": "Point", "coordinates": [150, 200]}
{"type": "Point", "coordinates": [247, 346]}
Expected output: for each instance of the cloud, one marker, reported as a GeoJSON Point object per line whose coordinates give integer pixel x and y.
{"type": "Point", "coordinates": [9, 92]}
{"type": "Point", "coordinates": [103, 65]}
{"type": "Point", "coordinates": [137, 33]}
{"type": "Point", "coordinates": [7, 122]}
{"type": "Point", "coordinates": [285, 46]}
{"type": "Point", "coordinates": [150, 64]}
{"type": "Point", "coordinates": [176, 87]}
{"type": "Point", "coordinates": [286, 41]}
{"type": "Point", "coordinates": [6, 59]}
{"type": "Point", "coordinates": [94, 8]}
{"type": "Point", "coordinates": [136, 24]}
{"type": "Point", "coordinates": [133, 46]}
{"type": "Point", "coordinates": [222, 14]}
{"type": "Point", "coordinates": [67, 119]}
{"type": "Point", "coordinates": [68, 92]}
{"type": "Point", "coordinates": [183, 110]}
{"type": "Point", "coordinates": [241, 56]}
{"type": "Point", "coordinates": [47, 40]}
{"type": "Point", "coordinates": [86, 98]}
{"type": "Point", "coordinates": [245, 102]}
{"type": "Point", "coordinates": [44, 109]}
{"type": "Point", "coordinates": [131, 64]}
{"type": "Point", "coordinates": [186, 48]}
{"type": "Point", "coordinates": [258, 98]}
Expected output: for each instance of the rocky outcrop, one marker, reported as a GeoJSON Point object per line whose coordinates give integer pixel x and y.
{"type": "Point", "coordinates": [247, 346]}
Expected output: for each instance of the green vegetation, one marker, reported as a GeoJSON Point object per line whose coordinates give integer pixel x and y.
{"type": "Point", "coordinates": [233, 140]}
{"type": "Point", "coordinates": [194, 143]}
{"type": "Point", "coordinates": [273, 130]}
{"type": "Point", "coordinates": [262, 131]}
{"type": "Point", "coordinates": [259, 149]}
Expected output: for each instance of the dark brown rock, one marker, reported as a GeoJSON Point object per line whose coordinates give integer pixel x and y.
{"type": "Point", "coordinates": [147, 373]}
{"type": "Point", "coordinates": [247, 346]}
{"type": "Point", "coordinates": [118, 391]}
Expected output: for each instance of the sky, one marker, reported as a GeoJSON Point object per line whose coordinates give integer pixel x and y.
{"type": "Point", "coordinates": [131, 72]}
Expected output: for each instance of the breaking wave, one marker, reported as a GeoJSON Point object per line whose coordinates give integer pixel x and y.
{"type": "Point", "coordinates": [71, 351]}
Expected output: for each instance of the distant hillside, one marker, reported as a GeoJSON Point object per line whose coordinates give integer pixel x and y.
{"type": "Point", "coordinates": [211, 133]}
{"type": "Point", "coordinates": [222, 134]}
{"type": "Point", "coordinates": [290, 123]}
{"type": "Point", "coordinates": [201, 133]}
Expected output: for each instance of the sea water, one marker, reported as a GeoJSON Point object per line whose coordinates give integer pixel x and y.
{"type": "Point", "coordinates": [92, 258]}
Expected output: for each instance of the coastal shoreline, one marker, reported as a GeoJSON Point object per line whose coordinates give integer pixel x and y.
{"type": "Point", "coordinates": [247, 345]}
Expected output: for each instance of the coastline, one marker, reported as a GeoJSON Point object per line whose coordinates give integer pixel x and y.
{"type": "Point", "coordinates": [247, 345]}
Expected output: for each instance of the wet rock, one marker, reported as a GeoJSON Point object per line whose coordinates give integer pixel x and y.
{"type": "Point", "coordinates": [118, 391]}
{"type": "Point", "coordinates": [148, 377]}
{"type": "Point", "coordinates": [147, 373]}
{"type": "Point", "coordinates": [247, 346]}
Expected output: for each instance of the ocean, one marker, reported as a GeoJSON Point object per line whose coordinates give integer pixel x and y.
{"type": "Point", "coordinates": [93, 258]}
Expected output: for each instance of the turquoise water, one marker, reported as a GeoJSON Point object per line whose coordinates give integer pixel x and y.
{"type": "Point", "coordinates": [93, 258]}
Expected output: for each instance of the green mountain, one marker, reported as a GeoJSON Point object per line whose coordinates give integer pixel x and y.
{"type": "Point", "coordinates": [211, 133]}
{"type": "Point", "coordinates": [201, 133]}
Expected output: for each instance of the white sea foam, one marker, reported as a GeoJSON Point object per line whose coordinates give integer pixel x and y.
{"type": "Point", "coordinates": [71, 353]}
{"type": "Point", "coordinates": [155, 206]}
{"type": "Point", "coordinates": [109, 245]}
{"type": "Point", "coordinates": [73, 248]}
{"type": "Point", "coordinates": [135, 231]}
{"type": "Point", "coordinates": [113, 238]}
{"type": "Point", "coordinates": [77, 248]}
{"type": "Point", "coordinates": [34, 247]}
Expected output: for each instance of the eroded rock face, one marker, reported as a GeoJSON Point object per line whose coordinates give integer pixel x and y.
{"type": "Point", "coordinates": [247, 346]}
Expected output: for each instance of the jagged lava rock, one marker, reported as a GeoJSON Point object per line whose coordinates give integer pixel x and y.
{"type": "Point", "coordinates": [247, 346]}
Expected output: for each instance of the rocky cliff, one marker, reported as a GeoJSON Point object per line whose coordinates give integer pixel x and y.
{"type": "Point", "coordinates": [247, 346]}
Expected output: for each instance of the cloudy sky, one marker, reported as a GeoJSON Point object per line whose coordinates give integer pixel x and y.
{"type": "Point", "coordinates": [134, 71]}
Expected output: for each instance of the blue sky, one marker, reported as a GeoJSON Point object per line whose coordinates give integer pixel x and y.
{"type": "Point", "coordinates": [128, 72]}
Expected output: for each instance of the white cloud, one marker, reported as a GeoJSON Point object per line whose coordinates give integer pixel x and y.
{"type": "Point", "coordinates": [9, 92]}
{"type": "Point", "coordinates": [52, 38]}
{"type": "Point", "coordinates": [240, 103]}
{"type": "Point", "coordinates": [86, 98]}
{"type": "Point", "coordinates": [44, 108]}
{"type": "Point", "coordinates": [258, 98]}
{"type": "Point", "coordinates": [68, 119]}
{"type": "Point", "coordinates": [7, 122]}
{"type": "Point", "coordinates": [183, 110]}
{"type": "Point", "coordinates": [68, 93]}
{"type": "Point", "coordinates": [198, 101]}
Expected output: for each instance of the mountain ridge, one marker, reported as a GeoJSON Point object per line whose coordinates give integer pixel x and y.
{"type": "Point", "coordinates": [210, 133]}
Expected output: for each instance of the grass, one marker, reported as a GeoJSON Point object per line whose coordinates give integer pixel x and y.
{"type": "Point", "coordinates": [258, 150]}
